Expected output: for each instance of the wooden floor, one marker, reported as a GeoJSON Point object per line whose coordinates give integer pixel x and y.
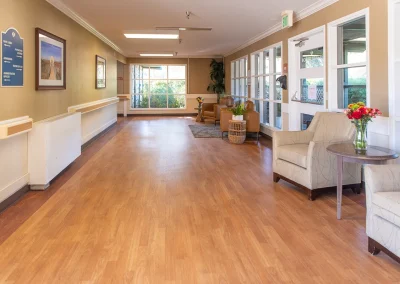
{"type": "Point", "coordinates": [148, 203]}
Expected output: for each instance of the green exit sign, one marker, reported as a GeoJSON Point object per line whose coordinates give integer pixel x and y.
{"type": "Point", "coordinates": [287, 19]}
{"type": "Point", "coordinates": [285, 22]}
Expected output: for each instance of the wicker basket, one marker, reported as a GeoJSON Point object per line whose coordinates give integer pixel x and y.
{"type": "Point", "coordinates": [237, 131]}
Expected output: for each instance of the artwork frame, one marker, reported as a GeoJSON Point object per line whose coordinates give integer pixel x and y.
{"type": "Point", "coordinates": [101, 72]}
{"type": "Point", "coordinates": [51, 58]}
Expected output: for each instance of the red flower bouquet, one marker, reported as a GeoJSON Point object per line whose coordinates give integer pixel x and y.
{"type": "Point", "coordinates": [360, 116]}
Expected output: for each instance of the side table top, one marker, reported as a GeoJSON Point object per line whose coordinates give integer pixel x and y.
{"type": "Point", "coordinates": [238, 121]}
{"type": "Point", "coordinates": [373, 153]}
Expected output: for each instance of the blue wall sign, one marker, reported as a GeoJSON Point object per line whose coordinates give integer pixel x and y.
{"type": "Point", "coordinates": [12, 59]}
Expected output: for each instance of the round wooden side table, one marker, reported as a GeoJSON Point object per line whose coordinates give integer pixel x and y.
{"type": "Point", "coordinates": [345, 152]}
{"type": "Point", "coordinates": [237, 131]}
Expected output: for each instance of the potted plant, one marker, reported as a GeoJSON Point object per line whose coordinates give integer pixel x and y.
{"type": "Point", "coordinates": [360, 116]}
{"type": "Point", "coordinates": [217, 76]}
{"type": "Point", "coordinates": [237, 112]}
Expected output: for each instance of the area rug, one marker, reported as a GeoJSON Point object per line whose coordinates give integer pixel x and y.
{"type": "Point", "coordinates": [205, 131]}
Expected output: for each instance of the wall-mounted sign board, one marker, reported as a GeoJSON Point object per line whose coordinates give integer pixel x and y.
{"type": "Point", "coordinates": [287, 19]}
{"type": "Point", "coordinates": [12, 59]}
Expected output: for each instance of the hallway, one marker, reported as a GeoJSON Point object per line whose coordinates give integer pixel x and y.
{"type": "Point", "coordinates": [149, 203]}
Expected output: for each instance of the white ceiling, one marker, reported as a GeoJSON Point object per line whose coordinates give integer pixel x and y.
{"type": "Point", "coordinates": [234, 22]}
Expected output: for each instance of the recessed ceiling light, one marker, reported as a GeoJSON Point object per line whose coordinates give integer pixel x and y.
{"type": "Point", "coordinates": [157, 54]}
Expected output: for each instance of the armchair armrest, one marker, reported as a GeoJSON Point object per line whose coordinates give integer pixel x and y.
{"type": "Point", "coordinates": [218, 109]}
{"type": "Point", "coordinates": [322, 166]}
{"type": "Point", "coordinates": [226, 115]}
{"type": "Point", "coordinates": [281, 138]}
{"type": "Point", "coordinates": [252, 121]}
{"type": "Point", "coordinates": [382, 178]}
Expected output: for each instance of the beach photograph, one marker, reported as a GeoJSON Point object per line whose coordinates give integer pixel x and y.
{"type": "Point", "coordinates": [51, 61]}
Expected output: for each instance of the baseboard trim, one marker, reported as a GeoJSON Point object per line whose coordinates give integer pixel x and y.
{"type": "Point", "coordinates": [16, 195]}
{"type": "Point", "coordinates": [86, 144]}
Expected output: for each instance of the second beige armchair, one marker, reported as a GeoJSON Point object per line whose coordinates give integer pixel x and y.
{"type": "Point", "coordinates": [252, 119]}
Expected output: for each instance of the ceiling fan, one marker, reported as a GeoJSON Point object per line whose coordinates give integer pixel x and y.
{"type": "Point", "coordinates": [301, 41]}
{"type": "Point", "coordinates": [188, 14]}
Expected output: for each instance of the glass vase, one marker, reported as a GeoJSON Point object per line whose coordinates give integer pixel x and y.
{"type": "Point", "coordinates": [360, 141]}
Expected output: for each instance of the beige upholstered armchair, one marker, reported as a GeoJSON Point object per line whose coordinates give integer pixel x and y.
{"type": "Point", "coordinates": [301, 158]}
{"type": "Point", "coordinates": [383, 209]}
{"type": "Point", "coordinates": [212, 111]}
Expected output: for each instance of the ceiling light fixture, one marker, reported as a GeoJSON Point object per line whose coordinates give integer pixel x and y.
{"type": "Point", "coordinates": [152, 34]}
{"type": "Point", "coordinates": [157, 54]}
{"type": "Point", "coordinates": [189, 29]}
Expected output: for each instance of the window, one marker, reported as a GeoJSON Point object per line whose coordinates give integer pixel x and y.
{"type": "Point", "coordinates": [265, 90]}
{"type": "Point", "coordinates": [349, 62]}
{"type": "Point", "coordinates": [239, 77]}
{"type": "Point", "coordinates": [158, 86]}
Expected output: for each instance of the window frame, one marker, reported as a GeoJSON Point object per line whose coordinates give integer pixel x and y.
{"type": "Point", "coordinates": [334, 67]}
{"type": "Point", "coordinates": [167, 79]}
{"type": "Point", "coordinates": [236, 79]}
{"type": "Point", "coordinates": [272, 84]}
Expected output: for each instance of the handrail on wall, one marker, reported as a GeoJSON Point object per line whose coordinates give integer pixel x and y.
{"type": "Point", "coordinates": [123, 98]}
{"type": "Point", "coordinates": [16, 126]}
{"type": "Point", "coordinates": [89, 107]}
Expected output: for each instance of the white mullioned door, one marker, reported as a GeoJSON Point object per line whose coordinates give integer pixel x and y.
{"type": "Point", "coordinates": [307, 82]}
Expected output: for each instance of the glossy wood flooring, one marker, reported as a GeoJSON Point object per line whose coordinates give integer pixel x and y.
{"type": "Point", "coordinates": [152, 204]}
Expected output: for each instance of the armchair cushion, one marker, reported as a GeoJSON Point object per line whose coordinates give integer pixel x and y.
{"type": "Point", "coordinates": [387, 206]}
{"type": "Point", "coordinates": [295, 154]}
{"type": "Point", "coordinates": [209, 114]}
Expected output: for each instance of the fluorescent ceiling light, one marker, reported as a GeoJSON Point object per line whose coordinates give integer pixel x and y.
{"type": "Point", "coordinates": [153, 36]}
{"type": "Point", "coordinates": [157, 54]}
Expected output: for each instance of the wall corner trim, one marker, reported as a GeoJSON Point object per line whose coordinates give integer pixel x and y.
{"type": "Point", "coordinates": [312, 9]}
{"type": "Point", "coordinates": [74, 16]}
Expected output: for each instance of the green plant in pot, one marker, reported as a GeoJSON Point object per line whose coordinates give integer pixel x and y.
{"type": "Point", "coordinates": [238, 111]}
{"type": "Point", "coordinates": [217, 76]}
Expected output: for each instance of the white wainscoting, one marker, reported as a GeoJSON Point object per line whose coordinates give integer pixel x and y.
{"type": "Point", "coordinates": [97, 120]}
{"type": "Point", "coordinates": [13, 165]}
{"type": "Point", "coordinates": [53, 144]}
{"type": "Point", "coordinates": [191, 104]}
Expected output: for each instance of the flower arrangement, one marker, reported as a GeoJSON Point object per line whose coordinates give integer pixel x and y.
{"type": "Point", "coordinates": [359, 111]}
{"type": "Point", "coordinates": [200, 100]}
{"type": "Point", "coordinates": [238, 111]}
{"type": "Point", "coordinates": [360, 116]}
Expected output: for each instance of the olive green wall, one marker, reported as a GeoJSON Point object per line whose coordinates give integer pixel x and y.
{"type": "Point", "coordinates": [82, 46]}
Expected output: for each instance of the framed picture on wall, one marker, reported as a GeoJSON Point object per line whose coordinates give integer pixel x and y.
{"type": "Point", "coordinates": [101, 70]}
{"type": "Point", "coordinates": [51, 61]}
